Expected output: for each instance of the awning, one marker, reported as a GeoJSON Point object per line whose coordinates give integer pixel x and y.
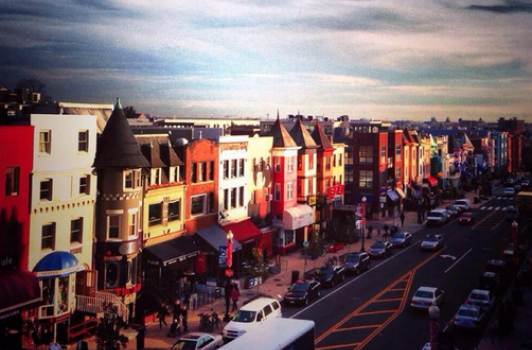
{"type": "Point", "coordinates": [400, 192]}
{"type": "Point", "coordinates": [56, 264]}
{"type": "Point", "coordinates": [172, 251]}
{"type": "Point", "coordinates": [393, 196]}
{"type": "Point", "coordinates": [19, 291]}
{"type": "Point", "coordinates": [216, 238]}
{"type": "Point", "coordinates": [432, 181]}
{"type": "Point", "coordinates": [299, 216]}
{"type": "Point", "coordinates": [244, 231]}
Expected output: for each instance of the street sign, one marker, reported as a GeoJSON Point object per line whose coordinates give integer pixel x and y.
{"type": "Point", "coordinates": [306, 244]}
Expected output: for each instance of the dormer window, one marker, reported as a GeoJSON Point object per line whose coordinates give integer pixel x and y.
{"type": "Point", "coordinates": [129, 179]}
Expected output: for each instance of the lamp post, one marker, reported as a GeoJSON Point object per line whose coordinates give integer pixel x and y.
{"type": "Point", "coordinates": [434, 326]}
{"type": "Point", "coordinates": [515, 230]}
{"type": "Point", "coordinates": [229, 254]}
{"type": "Point", "coordinates": [363, 222]}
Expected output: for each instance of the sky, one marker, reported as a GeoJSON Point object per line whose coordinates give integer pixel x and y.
{"type": "Point", "coordinates": [379, 59]}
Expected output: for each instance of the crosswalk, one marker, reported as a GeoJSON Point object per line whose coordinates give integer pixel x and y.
{"type": "Point", "coordinates": [493, 208]}
{"type": "Point", "coordinates": [505, 197]}
{"type": "Point", "coordinates": [497, 208]}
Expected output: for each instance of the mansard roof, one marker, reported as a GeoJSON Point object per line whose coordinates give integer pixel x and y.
{"type": "Point", "coordinates": [117, 146]}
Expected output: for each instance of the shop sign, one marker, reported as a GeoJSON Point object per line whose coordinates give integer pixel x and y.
{"type": "Point", "coordinates": [311, 200]}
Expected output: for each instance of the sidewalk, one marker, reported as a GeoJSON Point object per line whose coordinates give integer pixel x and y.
{"type": "Point", "coordinates": [275, 286]}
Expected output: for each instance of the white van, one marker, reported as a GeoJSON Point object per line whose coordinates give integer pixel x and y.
{"type": "Point", "coordinates": [250, 316]}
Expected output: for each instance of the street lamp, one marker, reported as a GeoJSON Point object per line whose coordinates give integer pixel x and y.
{"type": "Point", "coordinates": [434, 326]}
{"type": "Point", "coordinates": [363, 222]}
{"type": "Point", "coordinates": [229, 254]}
{"type": "Point", "coordinates": [515, 230]}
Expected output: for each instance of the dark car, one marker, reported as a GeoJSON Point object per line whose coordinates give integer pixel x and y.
{"type": "Point", "coordinates": [454, 210]}
{"type": "Point", "coordinates": [302, 292]}
{"type": "Point", "coordinates": [380, 249]}
{"type": "Point", "coordinates": [330, 275]}
{"type": "Point", "coordinates": [466, 218]}
{"type": "Point", "coordinates": [401, 239]}
{"type": "Point", "coordinates": [497, 266]}
{"type": "Point", "coordinates": [490, 281]}
{"type": "Point", "coordinates": [355, 262]}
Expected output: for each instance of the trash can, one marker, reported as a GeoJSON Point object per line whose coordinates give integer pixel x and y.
{"type": "Point", "coordinates": [295, 276]}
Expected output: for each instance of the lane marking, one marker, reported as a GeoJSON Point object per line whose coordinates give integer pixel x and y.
{"type": "Point", "coordinates": [389, 299]}
{"type": "Point", "coordinates": [457, 261]}
{"type": "Point", "coordinates": [481, 221]}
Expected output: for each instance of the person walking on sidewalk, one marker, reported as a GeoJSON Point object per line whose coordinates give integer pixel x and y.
{"type": "Point", "coordinates": [402, 217]}
{"type": "Point", "coordinates": [184, 317]}
{"type": "Point", "coordinates": [235, 294]}
{"type": "Point", "coordinates": [227, 295]}
{"type": "Point", "coordinates": [161, 315]}
{"type": "Point", "coordinates": [370, 231]}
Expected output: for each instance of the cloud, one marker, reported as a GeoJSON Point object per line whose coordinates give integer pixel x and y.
{"type": "Point", "coordinates": [508, 7]}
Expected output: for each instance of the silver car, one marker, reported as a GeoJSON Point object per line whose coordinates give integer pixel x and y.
{"type": "Point", "coordinates": [424, 297]}
{"type": "Point", "coordinates": [432, 242]}
{"type": "Point", "coordinates": [401, 239]}
{"type": "Point", "coordinates": [469, 317]}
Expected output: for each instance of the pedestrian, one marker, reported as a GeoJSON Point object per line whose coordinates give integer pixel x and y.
{"type": "Point", "coordinates": [370, 231]}
{"type": "Point", "coordinates": [184, 317]}
{"type": "Point", "coordinates": [402, 217]}
{"type": "Point", "coordinates": [177, 310]}
{"type": "Point", "coordinates": [386, 228]}
{"type": "Point", "coordinates": [140, 338]}
{"type": "Point", "coordinates": [235, 294]}
{"type": "Point", "coordinates": [161, 315]}
{"type": "Point", "coordinates": [496, 333]}
{"type": "Point", "coordinates": [227, 295]}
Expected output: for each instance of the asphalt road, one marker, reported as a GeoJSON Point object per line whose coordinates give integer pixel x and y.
{"type": "Point", "coordinates": [372, 311]}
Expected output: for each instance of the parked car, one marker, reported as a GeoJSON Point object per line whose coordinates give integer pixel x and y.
{"type": "Point", "coordinates": [490, 281]}
{"type": "Point", "coordinates": [483, 298]}
{"type": "Point", "coordinates": [466, 218]}
{"type": "Point", "coordinates": [302, 292]}
{"type": "Point", "coordinates": [465, 204]}
{"type": "Point", "coordinates": [380, 249]}
{"type": "Point", "coordinates": [512, 213]}
{"type": "Point", "coordinates": [401, 239]}
{"type": "Point", "coordinates": [425, 296]}
{"type": "Point", "coordinates": [330, 275]}
{"type": "Point", "coordinates": [196, 341]}
{"type": "Point", "coordinates": [497, 266]}
{"type": "Point", "coordinates": [432, 242]}
{"type": "Point", "coordinates": [509, 191]}
{"type": "Point", "coordinates": [469, 317]}
{"type": "Point", "coordinates": [454, 210]}
{"type": "Point", "coordinates": [355, 262]}
{"type": "Point", "coordinates": [437, 217]}
{"type": "Point", "coordinates": [525, 184]}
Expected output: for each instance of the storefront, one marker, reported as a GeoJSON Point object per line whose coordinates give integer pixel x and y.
{"type": "Point", "coordinates": [56, 273]}
{"type": "Point", "coordinates": [247, 234]}
{"type": "Point", "coordinates": [296, 224]}
{"type": "Point", "coordinates": [19, 291]}
{"type": "Point", "coordinates": [213, 244]}
{"type": "Point", "coordinates": [169, 261]}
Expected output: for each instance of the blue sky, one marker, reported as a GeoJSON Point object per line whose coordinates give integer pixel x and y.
{"type": "Point", "coordinates": [383, 59]}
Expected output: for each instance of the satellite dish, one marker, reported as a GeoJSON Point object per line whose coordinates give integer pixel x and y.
{"type": "Point", "coordinates": [181, 142]}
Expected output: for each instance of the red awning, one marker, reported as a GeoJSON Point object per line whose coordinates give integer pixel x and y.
{"type": "Point", "coordinates": [244, 231]}
{"type": "Point", "coordinates": [19, 291]}
{"type": "Point", "coordinates": [432, 181]}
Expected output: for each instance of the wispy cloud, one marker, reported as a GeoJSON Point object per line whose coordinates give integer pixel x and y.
{"type": "Point", "coordinates": [507, 7]}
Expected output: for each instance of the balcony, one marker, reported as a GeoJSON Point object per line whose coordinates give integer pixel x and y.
{"type": "Point", "coordinates": [93, 305]}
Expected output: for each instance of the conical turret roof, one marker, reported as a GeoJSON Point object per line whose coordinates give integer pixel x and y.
{"type": "Point", "coordinates": [117, 146]}
{"type": "Point", "coordinates": [281, 137]}
{"type": "Point", "coordinates": [302, 137]}
{"type": "Point", "coordinates": [320, 138]}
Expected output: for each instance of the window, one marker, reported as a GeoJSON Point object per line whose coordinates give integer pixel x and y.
{"type": "Point", "coordinates": [241, 167]}
{"type": "Point", "coordinates": [111, 274]}
{"type": "Point", "coordinates": [202, 171]}
{"type": "Point", "coordinates": [300, 184]}
{"type": "Point", "coordinates": [233, 168]}
{"type": "Point", "coordinates": [289, 190]}
{"type": "Point", "coordinates": [128, 179]}
{"type": "Point", "coordinates": [156, 176]}
{"type": "Point", "coordinates": [46, 190]}
{"type": "Point", "coordinates": [136, 173]}
{"type": "Point", "coordinates": [76, 231]}
{"type": "Point", "coordinates": [398, 173]}
{"type": "Point", "coordinates": [277, 192]}
{"type": "Point", "coordinates": [83, 141]}
{"type": "Point", "coordinates": [211, 171]}
{"type": "Point", "coordinates": [226, 199]}
{"type": "Point", "coordinates": [175, 174]}
{"type": "Point", "coordinates": [241, 196]}
{"type": "Point", "coordinates": [12, 181]}
{"type": "Point", "coordinates": [328, 163]}
{"type": "Point", "coordinates": [334, 160]}
{"type": "Point", "coordinates": [226, 169]}
{"type": "Point", "coordinates": [233, 197]}
{"type": "Point", "coordinates": [366, 178]}
{"type": "Point", "coordinates": [193, 173]}
{"type": "Point", "coordinates": [398, 151]}
{"type": "Point", "coordinates": [48, 236]}
{"type": "Point", "coordinates": [85, 185]}
{"type": "Point", "coordinates": [277, 161]}
{"type": "Point", "coordinates": [113, 226]}
{"type": "Point", "coordinates": [290, 164]}
{"type": "Point", "coordinates": [365, 154]}
{"type": "Point", "coordinates": [154, 214]}
{"type": "Point", "coordinates": [132, 269]}
{"type": "Point", "coordinates": [310, 187]}
{"type": "Point", "coordinates": [174, 210]}
{"type": "Point", "coordinates": [383, 154]}
{"type": "Point", "coordinates": [340, 159]}
{"type": "Point", "coordinates": [198, 205]}
{"type": "Point", "coordinates": [210, 203]}
{"type": "Point", "coordinates": [311, 161]}
{"type": "Point", "coordinates": [132, 224]}
{"type": "Point", "coordinates": [45, 141]}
